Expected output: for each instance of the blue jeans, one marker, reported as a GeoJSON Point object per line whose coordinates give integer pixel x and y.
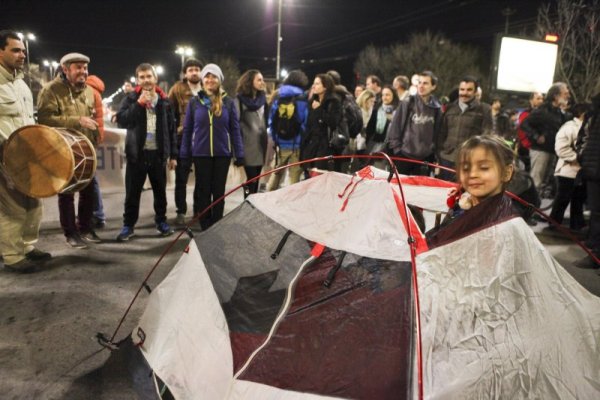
{"type": "Point", "coordinates": [98, 206]}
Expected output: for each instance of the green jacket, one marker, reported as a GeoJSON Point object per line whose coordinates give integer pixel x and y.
{"type": "Point", "coordinates": [16, 103]}
{"type": "Point", "coordinates": [60, 105]}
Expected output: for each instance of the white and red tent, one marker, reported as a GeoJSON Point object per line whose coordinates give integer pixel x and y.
{"type": "Point", "coordinates": [245, 313]}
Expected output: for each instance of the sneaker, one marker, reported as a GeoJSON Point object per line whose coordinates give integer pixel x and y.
{"type": "Point", "coordinates": [91, 237]}
{"type": "Point", "coordinates": [125, 234]}
{"type": "Point", "coordinates": [76, 242]}
{"type": "Point", "coordinates": [38, 255]}
{"type": "Point", "coordinates": [24, 266]}
{"type": "Point", "coordinates": [180, 219]}
{"type": "Point", "coordinates": [98, 223]}
{"type": "Point", "coordinates": [164, 229]}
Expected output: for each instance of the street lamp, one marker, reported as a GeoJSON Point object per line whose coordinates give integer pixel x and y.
{"type": "Point", "coordinates": [279, 38]}
{"type": "Point", "coordinates": [52, 65]}
{"type": "Point", "coordinates": [184, 51]}
{"type": "Point", "coordinates": [26, 38]}
{"type": "Point", "coordinates": [159, 69]}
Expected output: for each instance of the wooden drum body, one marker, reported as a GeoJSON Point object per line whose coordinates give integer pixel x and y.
{"type": "Point", "coordinates": [43, 161]}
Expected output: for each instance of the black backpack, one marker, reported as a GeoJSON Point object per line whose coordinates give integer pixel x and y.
{"type": "Point", "coordinates": [353, 115]}
{"type": "Point", "coordinates": [285, 124]}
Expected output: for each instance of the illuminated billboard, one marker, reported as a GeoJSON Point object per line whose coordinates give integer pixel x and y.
{"type": "Point", "coordinates": [526, 65]}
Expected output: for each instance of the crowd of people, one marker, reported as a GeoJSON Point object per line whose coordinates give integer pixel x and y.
{"type": "Point", "coordinates": [198, 126]}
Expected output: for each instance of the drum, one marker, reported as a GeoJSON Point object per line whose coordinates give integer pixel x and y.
{"type": "Point", "coordinates": [43, 161]}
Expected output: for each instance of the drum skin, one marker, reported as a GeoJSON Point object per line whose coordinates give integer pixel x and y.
{"type": "Point", "coordinates": [43, 161]}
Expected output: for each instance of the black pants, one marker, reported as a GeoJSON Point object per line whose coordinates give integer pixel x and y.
{"type": "Point", "coordinates": [211, 177]}
{"type": "Point", "coordinates": [151, 166]}
{"type": "Point", "coordinates": [252, 171]}
{"type": "Point", "coordinates": [409, 168]}
{"type": "Point", "coordinates": [593, 200]}
{"type": "Point", "coordinates": [182, 173]}
{"type": "Point", "coordinates": [569, 192]}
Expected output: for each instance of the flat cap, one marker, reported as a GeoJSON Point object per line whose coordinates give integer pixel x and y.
{"type": "Point", "coordinates": [74, 57]}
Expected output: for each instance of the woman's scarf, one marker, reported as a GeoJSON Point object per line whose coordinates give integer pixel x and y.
{"type": "Point", "coordinates": [255, 103]}
{"type": "Point", "coordinates": [382, 118]}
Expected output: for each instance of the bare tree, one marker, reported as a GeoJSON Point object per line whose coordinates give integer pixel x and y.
{"type": "Point", "coordinates": [423, 51]}
{"type": "Point", "coordinates": [231, 71]}
{"type": "Point", "coordinates": [577, 24]}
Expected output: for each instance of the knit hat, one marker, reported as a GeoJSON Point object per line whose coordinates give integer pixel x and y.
{"type": "Point", "coordinates": [212, 69]}
{"type": "Point", "coordinates": [74, 57]}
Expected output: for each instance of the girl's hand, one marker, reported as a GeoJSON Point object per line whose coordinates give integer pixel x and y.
{"type": "Point", "coordinates": [315, 104]}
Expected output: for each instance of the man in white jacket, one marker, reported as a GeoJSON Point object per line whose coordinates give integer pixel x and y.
{"type": "Point", "coordinates": [20, 215]}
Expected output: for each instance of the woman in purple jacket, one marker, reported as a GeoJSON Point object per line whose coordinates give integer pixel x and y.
{"type": "Point", "coordinates": [211, 137]}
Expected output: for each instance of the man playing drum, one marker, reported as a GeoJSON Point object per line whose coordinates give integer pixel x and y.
{"type": "Point", "coordinates": [20, 215]}
{"type": "Point", "coordinates": [67, 102]}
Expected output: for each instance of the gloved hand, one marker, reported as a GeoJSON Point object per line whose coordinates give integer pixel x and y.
{"type": "Point", "coordinates": [239, 162]}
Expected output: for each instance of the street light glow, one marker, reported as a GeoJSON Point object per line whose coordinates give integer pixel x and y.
{"type": "Point", "coordinates": [159, 70]}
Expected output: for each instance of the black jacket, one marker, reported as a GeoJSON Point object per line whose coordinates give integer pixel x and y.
{"type": "Point", "coordinates": [321, 122]}
{"type": "Point", "coordinates": [588, 143]}
{"type": "Point", "coordinates": [544, 121]}
{"type": "Point", "coordinates": [132, 116]}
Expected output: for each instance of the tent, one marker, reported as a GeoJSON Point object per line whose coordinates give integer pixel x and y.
{"type": "Point", "coordinates": [309, 292]}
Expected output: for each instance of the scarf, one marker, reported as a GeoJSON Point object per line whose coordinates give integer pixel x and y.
{"type": "Point", "coordinates": [253, 104]}
{"type": "Point", "coordinates": [382, 118]}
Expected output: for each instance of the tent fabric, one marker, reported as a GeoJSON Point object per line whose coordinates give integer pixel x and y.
{"type": "Point", "coordinates": [232, 280]}
{"type": "Point", "coordinates": [370, 225]}
{"type": "Point", "coordinates": [501, 319]}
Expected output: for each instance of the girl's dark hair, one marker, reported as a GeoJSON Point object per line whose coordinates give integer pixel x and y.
{"type": "Point", "coordinates": [245, 85]}
{"type": "Point", "coordinates": [327, 82]}
{"type": "Point", "coordinates": [395, 99]}
{"type": "Point", "coordinates": [495, 145]}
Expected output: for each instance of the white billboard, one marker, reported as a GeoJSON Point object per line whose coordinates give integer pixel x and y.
{"type": "Point", "coordinates": [526, 65]}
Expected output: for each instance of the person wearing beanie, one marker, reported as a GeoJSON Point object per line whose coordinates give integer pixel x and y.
{"type": "Point", "coordinates": [211, 137]}
{"type": "Point", "coordinates": [179, 96]}
{"type": "Point", "coordinates": [68, 102]}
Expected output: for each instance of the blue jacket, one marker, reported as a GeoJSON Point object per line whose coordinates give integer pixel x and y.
{"type": "Point", "coordinates": [206, 135]}
{"type": "Point", "coordinates": [286, 91]}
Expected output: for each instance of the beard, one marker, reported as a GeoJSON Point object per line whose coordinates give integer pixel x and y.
{"type": "Point", "coordinates": [194, 79]}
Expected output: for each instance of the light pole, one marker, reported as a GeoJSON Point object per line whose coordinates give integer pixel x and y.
{"type": "Point", "coordinates": [184, 51]}
{"type": "Point", "coordinates": [52, 65]}
{"type": "Point", "coordinates": [278, 59]}
{"type": "Point", "coordinates": [26, 38]}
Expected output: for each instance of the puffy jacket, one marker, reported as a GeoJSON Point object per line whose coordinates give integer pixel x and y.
{"type": "Point", "coordinates": [285, 92]}
{"type": "Point", "coordinates": [567, 165]}
{"type": "Point", "coordinates": [206, 135]}
{"type": "Point", "coordinates": [16, 103]}
{"type": "Point", "coordinates": [98, 87]}
{"type": "Point", "coordinates": [132, 116]}
{"type": "Point", "coordinates": [458, 126]}
{"type": "Point", "coordinates": [544, 121]}
{"type": "Point", "coordinates": [61, 105]}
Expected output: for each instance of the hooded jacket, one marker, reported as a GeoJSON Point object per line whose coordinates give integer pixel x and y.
{"type": "Point", "coordinates": [422, 122]}
{"type": "Point", "coordinates": [60, 104]}
{"type": "Point", "coordinates": [16, 103]}
{"type": "Point", "coordinates": [98, 87]}
{"type": "Point", "coordinates": [567, 165]}
{"type": "Point", "coordinates": [206, 135]}
{"type": "Point", "coordinates": [285, 92]}
{"type": "Point", "coordinates": [544, 121]}
{"type": "Point", "coordinates": [132, 116]}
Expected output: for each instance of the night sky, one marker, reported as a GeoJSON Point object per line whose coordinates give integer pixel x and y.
{"type": "Point", "coordinates": [118, 35]}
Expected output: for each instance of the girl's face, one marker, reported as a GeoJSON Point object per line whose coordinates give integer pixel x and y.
{"type": "Point", "coordinates": [258, 83]}
{"type": "Point", "coordinates": [317, 87]}
{"type": "Point", "coordinates": [210, 83]}
{"type": "Point", "coordinates": [481, 175]}
{"type": "Point", "coordinates": [387, 97]}
{"type": "Point", "coordinates": [370, 103]}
